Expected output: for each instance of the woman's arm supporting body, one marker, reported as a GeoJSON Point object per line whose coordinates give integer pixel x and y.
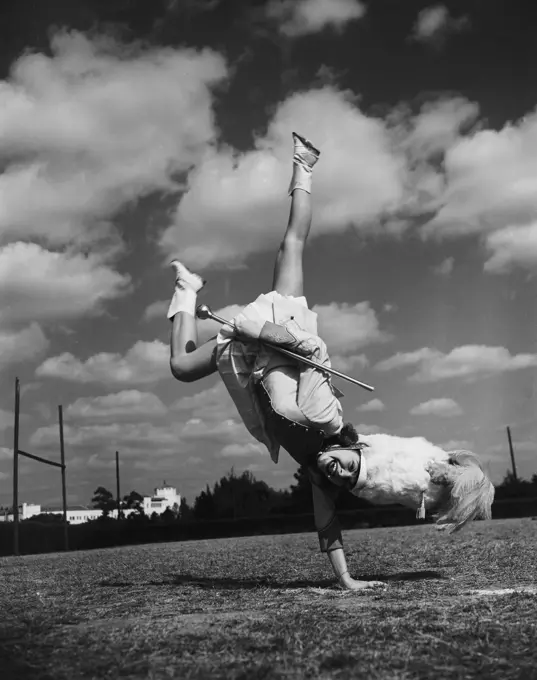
{"type": "Point", "coordinates": [330, 538]}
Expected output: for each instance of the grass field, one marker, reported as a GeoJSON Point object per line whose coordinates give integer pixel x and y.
{"type": "Point", "coordinates": [239, 608]}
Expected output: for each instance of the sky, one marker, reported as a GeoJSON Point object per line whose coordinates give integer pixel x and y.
{"type": "Point", "coordinates": [132, 132]}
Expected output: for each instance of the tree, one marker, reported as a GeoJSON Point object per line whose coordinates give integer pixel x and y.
{"type": "Point", "coordinates": [185, 511]}
{"type": "Point", "coordinates": [168, 516]}
{"type": "Point", "coordinates": [48, 517]}
{"type": "Point", "coordinates": [301, 496]}
{"type": "Point", "coordinates": [235, 496]}
{"type": "Point", "coordinates": [103, 500]}
{"type": "Point", "coordinates": [134, 501]}
{"type": "Point", "coordinates": [516, 488]}
{"type": "Point", "coordinates": [204, 507]}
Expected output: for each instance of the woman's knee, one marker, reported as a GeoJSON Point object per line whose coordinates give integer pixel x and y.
{"type": "Point", "coordinates": [196, 364]}
{"type": "Point", "coordinates": [181, 369]}
{"type": "Point", "coordinates": [293, 246]}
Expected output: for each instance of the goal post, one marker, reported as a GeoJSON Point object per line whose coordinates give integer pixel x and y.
{"type": "Point", "coordinates": [16, 453]}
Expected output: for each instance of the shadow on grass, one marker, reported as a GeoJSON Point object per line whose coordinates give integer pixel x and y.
{"type": "Point", "coordinates": [251, 584]}
{"type": "Point", "coordinates": [424, 575]}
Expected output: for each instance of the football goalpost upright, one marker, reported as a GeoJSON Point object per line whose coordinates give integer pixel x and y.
{"type": "Point", "coordinates": [16, 453]}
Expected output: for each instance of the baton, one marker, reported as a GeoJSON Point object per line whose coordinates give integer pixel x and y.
{"type": "Point", "coordinates": [204, 312]}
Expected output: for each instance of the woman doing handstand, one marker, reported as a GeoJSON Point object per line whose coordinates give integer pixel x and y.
{"type": "Point", "coordinates": [282, 402]}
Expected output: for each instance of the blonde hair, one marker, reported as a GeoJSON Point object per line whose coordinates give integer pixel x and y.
{"type": "Point", "coordinates": [470, 492]}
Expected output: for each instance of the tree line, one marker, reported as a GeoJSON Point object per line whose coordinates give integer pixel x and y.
{"type": "Point", "coordinates": [234, 496]}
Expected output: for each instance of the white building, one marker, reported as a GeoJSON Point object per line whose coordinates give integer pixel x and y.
{"type": "Point", "coordinates": [165, 497]}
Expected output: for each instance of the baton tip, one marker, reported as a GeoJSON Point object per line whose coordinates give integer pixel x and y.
{"type": "Point", "coordinates": [203, 312]}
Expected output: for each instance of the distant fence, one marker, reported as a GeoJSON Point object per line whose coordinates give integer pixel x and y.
{"type": "Point", "coordinates": [42, 537]}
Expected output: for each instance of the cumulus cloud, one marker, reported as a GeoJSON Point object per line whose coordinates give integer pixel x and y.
{"type": "Point", "coordinates": [512, 246]}
{"type": "Point", "coordinates": [39, 284]}
{"type": "Point", "coordinates": [233, 199]}
{"type": "Point", "coordinates": [434, 24]}
{"type": "Point", "coordinates": [213, 420]}
{"type": "Point", "coordinates": [444, 407]}
{"type": "Point", "coordinates": [126, 404]}
{"type": "Point", "coordinates": [143, 363]}
{"type": "Point", "coordinates": [84, 132]}
{"type": "Point", "coordinates": [209, 415]}
{"type": "Point", "coordinates": [468, 361]}
{"type": "Point", "coordinates": [138, 438]}
{"type": "Point", "coordinates": [304, 17]}
{"type": "Point", "coordinates": [27, 344]}
{"type": "Point", "coordinates": [348, 364]}
{"type": "Point", "coordinates": [436, 127]}
{"type": "Point", "coordinates": [95, 125]}
{"type": "Point", "coordinates": [145, 115]}
{"type": "Point", "coordinates": [402, 359]}
{"type": "Point", "coordinates": [374, 174]}
{"type": "Point", "coordinates": [156, 310]}
{"type": "Point", "coordinates": [212, 404]}
{"type": "Point", "coordinates": [252, 448]}
{"type": "Point", "coordinates": [346, 328]}
{"type": "Point", "coordinates": [373, 405]}
{"type": "Point", "coordinates": [193, 429]}
{"type": "Point", "coordinates": [229, 430]}
{"type": "Point", "coordinates": [423, 140]}
{"type": "Point", "coordinates": [491, 189]}
{"type": "Point", "coordinates": [445, 267]}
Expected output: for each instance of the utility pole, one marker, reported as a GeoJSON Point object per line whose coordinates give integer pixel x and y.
{"type": "Point", "coordinates": [16, 470]}
{"type": "Point", "coordinates": [64, 490]}
{"type": "Point", "coordinates": [117, 487]}
{"type": "Point", "coordinates": [512, 453]}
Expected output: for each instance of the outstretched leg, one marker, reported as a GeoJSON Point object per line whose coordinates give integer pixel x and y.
{"type": "Point", "coordinates": [188, 362]}
{"type": "Point", "coordinates": [288, 270]}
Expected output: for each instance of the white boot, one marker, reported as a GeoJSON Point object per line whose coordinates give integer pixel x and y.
{"type": "Point", "coordinates": [304, 158]}
{"type": "Point", "coordinates": [187, 286]}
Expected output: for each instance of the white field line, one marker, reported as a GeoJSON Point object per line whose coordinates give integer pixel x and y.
{"type": "Point", "coordinates": [505, 591]}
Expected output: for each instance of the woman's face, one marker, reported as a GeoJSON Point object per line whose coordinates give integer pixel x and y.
{"type": "Point", "coordinates": [340, 466]}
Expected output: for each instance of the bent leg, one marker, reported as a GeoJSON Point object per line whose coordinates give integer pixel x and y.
{"type": "Point", "coordinates": [288, 269]}
{"type": "Point", "coordinates": [188, 362]}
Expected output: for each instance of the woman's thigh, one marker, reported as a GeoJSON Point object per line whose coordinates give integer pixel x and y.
{"type": "Point", "coordinates": [281, 385]}
{"type": "Point", "coordinates": [288, 270]}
